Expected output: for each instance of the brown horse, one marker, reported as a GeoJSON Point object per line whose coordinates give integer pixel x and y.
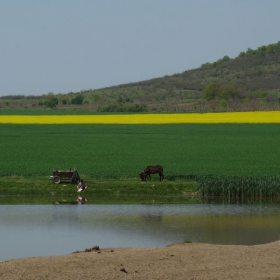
{"type": "Point", "coordinates": [152, 170]}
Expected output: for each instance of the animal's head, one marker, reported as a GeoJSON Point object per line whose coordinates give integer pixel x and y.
{"type": "Point", "coordinates": [142, 175]}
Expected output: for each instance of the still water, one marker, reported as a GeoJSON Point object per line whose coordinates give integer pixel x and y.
{"type": "Point", "coordinates": [43, 230]}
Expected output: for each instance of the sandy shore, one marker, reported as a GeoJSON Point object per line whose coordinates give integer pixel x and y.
{"type": "Point", "coordinates": [180, 261]}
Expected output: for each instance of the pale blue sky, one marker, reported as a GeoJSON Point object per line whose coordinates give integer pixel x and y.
{"type": "Point", "coordinates": [65, 45]}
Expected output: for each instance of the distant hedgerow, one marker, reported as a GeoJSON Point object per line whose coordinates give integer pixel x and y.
{"type": "Point", "coordinates": [121, 108]}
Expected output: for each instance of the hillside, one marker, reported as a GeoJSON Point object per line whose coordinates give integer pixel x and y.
{"type": "Point", "coordinates": [250, 81]}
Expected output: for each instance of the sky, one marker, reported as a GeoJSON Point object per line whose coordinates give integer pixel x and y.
{"type": "Point", "coordinates": [63, 46]}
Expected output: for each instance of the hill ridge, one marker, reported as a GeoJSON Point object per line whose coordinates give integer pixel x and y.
{"type": "Point", "coordinates": [255, 74]}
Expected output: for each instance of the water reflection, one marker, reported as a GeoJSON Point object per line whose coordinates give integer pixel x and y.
{"type": "Point", "coordinates": [79, 201]}
{"type": "Point", "coordinates": [32, 230]}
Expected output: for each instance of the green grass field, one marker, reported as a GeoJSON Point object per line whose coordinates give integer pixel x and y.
{"type": "Point", "coordinates": [122, 151]}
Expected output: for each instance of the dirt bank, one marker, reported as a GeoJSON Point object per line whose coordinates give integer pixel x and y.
{"type": "Point", "coordinates": [182, 261]}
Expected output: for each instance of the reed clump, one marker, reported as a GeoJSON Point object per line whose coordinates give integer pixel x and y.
{"type": "Point", "coordinates": [238, 186]}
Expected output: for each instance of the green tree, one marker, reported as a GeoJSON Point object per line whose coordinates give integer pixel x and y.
{"type": "Point", "coordinates": [223, 103]}
{"type": "Point", "coordinates": [51, 102]}
{"type": "Point", "coordinates": [78, 100]}
{"type": "Point", "coordinates": [224, 59]}
{"type": "Point", "coordinates": [242, 54]}
{"type": "Point", "coordinates": [211, 91]}
{"type": "Point", "coordinates": [221, 91]}
{"type": "Point", "coordinates": [228, 92]}
{"type": "Point", "coordinates": [96, 98]}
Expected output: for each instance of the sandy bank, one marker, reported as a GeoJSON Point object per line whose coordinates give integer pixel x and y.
{"type": "Point", "coordinates": [180, 261]}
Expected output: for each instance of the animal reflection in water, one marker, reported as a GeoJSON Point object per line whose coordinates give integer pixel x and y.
{"type": "Point", "coordinates": [80, 200]}
{"type": "Point", "coordinates": [152, 170]}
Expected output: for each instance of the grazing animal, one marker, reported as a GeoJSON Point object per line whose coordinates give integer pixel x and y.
{"type": "Point", "coordinates": [152, 170]}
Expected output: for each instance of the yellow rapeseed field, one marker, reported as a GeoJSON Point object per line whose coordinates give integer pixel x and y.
{"type": "Point", "coordinates": [232, 117]}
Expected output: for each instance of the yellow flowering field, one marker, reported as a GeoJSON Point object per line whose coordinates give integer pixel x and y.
{"type": "Point", "coordinates": [232, 117]}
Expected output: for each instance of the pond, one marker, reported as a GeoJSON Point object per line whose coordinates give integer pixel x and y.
{"type": "Point", "coordinates": [44, 230]}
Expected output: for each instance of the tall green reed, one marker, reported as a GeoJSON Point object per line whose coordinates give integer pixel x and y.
{"type": "Point", "coordinates": [235, 186]}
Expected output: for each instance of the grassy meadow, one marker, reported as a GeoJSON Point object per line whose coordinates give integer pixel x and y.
{"type": "Point", "coordinates": [220, 155]}
{"type": "Point", "coordinates": [122, 151]}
